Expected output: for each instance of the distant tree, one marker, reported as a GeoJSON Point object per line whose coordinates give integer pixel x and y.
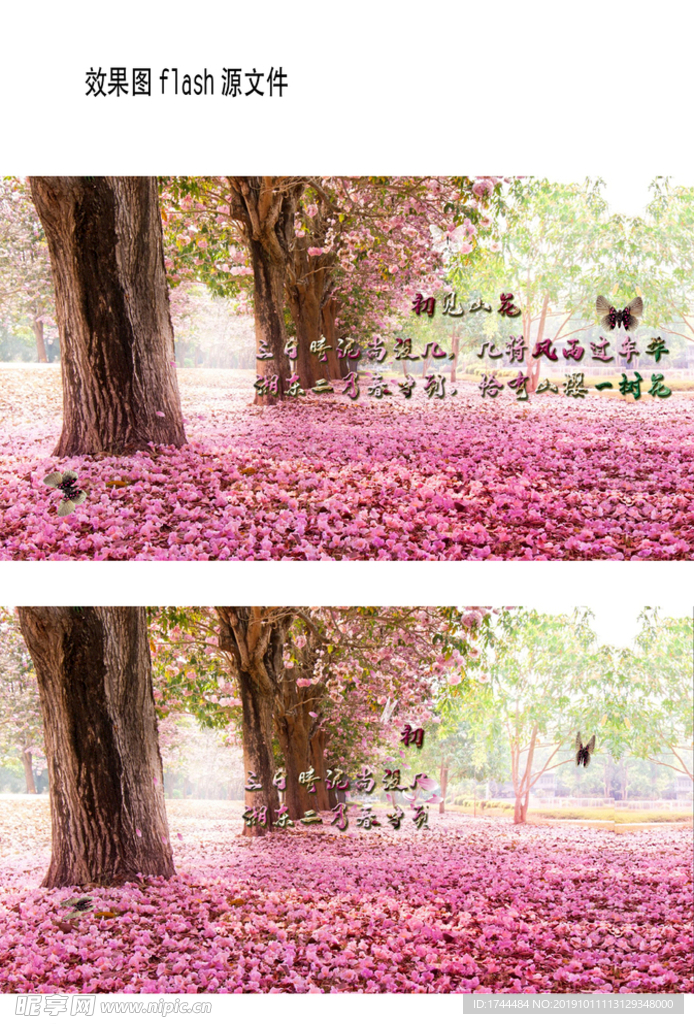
{"type": "Point", "coordinates": [657, 692]}
{"type": "Point", "coordinates": [541, 681]}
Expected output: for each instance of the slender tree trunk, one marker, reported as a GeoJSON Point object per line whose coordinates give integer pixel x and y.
{"type": "Point", "coordinates": [534, 365]}
{"type": "Point", "coordinates": [606, 775]}
{"type": "Point", "coordinates": [100, 728]}
{"type": "Point", "coordinates": [455, 345]}
{"type": "Point", "coordinates": [40, 344]}
{"type": "Point", "coordinates": [117, 349]}
{"type": "Point", "coordinates": [28, 771]}
{"type": "Point", "coordinates": [520, 810]}
{"type": "Point", "coordinates": [443, 783]}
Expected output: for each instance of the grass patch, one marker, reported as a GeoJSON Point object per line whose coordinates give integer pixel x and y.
{"type": "Point", "coordinates": [605, 814]}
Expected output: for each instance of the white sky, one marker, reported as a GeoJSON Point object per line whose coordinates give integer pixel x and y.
{"type": "Point", "coordinates": [628, 194]}
{"type": "Point", "coordinates": [615, 623]}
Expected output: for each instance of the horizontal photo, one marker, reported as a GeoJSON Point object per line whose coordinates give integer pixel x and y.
{"type": "Point", "coordinates": [341, 368]}
{"type": "Point", "coordinates": [345, 799]}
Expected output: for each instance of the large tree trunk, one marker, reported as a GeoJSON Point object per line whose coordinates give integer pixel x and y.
{"type": "Point", "coordinates": [258, 757]}
{"type": "Point", "coordinates": [255, 638]}
{"type": "Point", "coordinates": [292, 733]}
{"type": "Point", "coordinates": [305, 310]}
{"type": "Point", "coordinates": [117, 350]}
{"type": "Point", "coordinates": [40, 344]}
{"type": "Point", "coordinates": [28, 771]}
{"type": "Point", "coordinates": [255, 648]}
{"type": "Point", "coordinates": [338, 367]}
{"type": "Point", "coordinates": [100, 728]}
{"type": "Point", "coordinates": [268, 301]}
{"type": "Point", "coordinates": [327, 798]}
{"type": "Point", "coordinates": [266, 206]}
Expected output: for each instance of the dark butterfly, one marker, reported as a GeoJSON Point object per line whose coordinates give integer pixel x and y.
{"type": "Point", "coordinates": [583, 753]}
{"type": "Point", "coordinates": [611, 317]}
{"type": "Point", "coordinates": [72, 495]}
{"type": "Point", "coordinates": [79, 905]}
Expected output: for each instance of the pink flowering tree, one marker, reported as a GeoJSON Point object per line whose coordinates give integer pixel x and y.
{"type": "Point", "coordinates": [26, 287]}
{"type": "Point", "coordinates": [303, 684]}
{"type": "Point", "coordinates": [21, 733]}
{"type": "Point", "coordinates": [357, 247]}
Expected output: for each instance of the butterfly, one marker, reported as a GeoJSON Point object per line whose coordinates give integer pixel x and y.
{"type": "Point", "coordinates": [78, 905]}
{"type": "Point", "coordinates": [583, 753]}
{"type": "Point", "coordinates": [72, 495]}
{"type": "Point", "coordinates": [611, 317]}
{"type": "Point", "coordinates": [389, 710]}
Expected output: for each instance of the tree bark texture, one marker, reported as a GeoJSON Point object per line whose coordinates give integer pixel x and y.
{"type": "Point", "coordinates": [265, 208]}
{"type": "Point", "coordinates": [307, 289]}
{"type": "Point", "coordinates": [248, 640]}
{"type": "Point", "coordinates": [273, 704]}
{"type": "Point", "coordinates": [443, 783]}
{"type": "Point", "coordinates": [100, 728]}
{"type": "Point", "coordinates": [117, 347]}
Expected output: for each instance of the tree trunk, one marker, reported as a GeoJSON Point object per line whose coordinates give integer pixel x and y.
{"type": "Point", "coordinates": [327, 798]}
{"type": "Point", "coordinates": [265, 207]}
{"type": "Point", "coordinates": [443, 783]}
{"type": "Point", "coordinates": [338, 367]}
{"type": "Point", "coordinates": [117, 348]}
{"type": "Point", "coordinates": [606, 775]}
{"type": "Point", "coordinates": [455, 345]}
{"type": "Point", "coordinates": [304, 304]}
{"type": "Point", "coordinates": [40, 345]}
{"type": "Point", "coordinates": [28, 771]}
{"type": "Point", "coordinates": [292, 733]}
{"type": "Point", "coordinates": [257, 750]}
{"type": "Point", "coordinates": [255, 648]}
{"type": "Point", "coordinates": [520, 810]}
{"type": "Point", "coordinates": [534, 365]}
{"type": "Point", "coordinates": [100, 728]}
{"type": "Point", "coordinates": [268, 300]}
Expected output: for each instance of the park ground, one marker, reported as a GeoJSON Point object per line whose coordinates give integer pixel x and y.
{"type": "Point", "coordinates": [321, 477]}
{"type": "Point", "coordinates": [472, 905]}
